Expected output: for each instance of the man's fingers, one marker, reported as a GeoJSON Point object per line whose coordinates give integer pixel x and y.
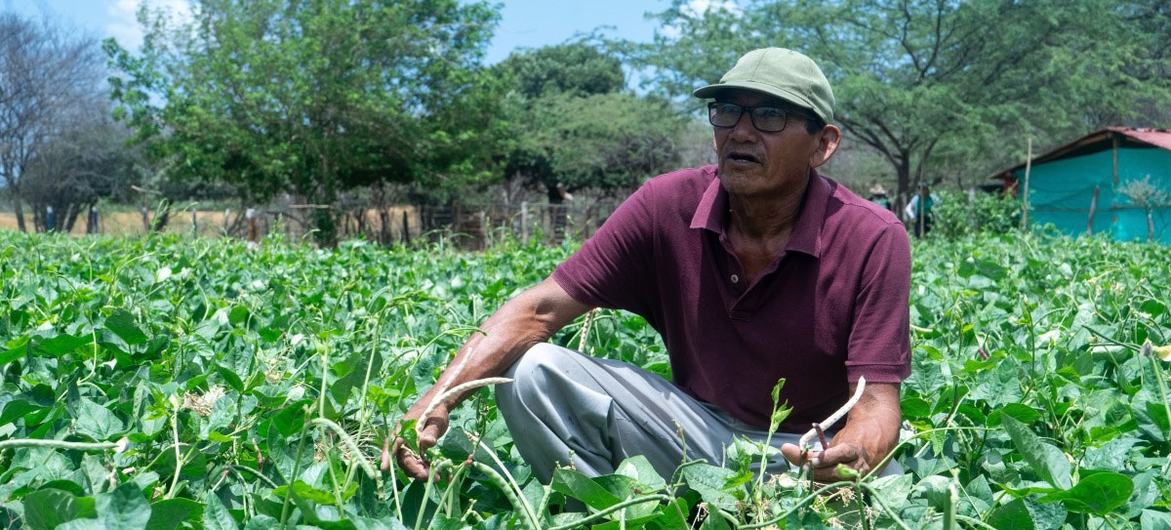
{"type": "Point", "coordinates": [412, 464]}
{"type": "Point", "coordinates": [792, 453]}
{"type": "Point", "coordinates": [836, 454]}
{"type": "Point", "coordinates": [434, 428]}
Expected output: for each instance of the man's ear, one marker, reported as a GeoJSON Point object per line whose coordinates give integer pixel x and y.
{"type": "Point", "coordinates": [828, 140]}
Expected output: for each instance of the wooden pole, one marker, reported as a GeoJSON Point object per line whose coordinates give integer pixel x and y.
{"type": "Point", "coordinates": [253, 233]}
{"type": "Point", "coordinates": [1093, 208]}
{"type": "Point", "coordinates": [1025, 202]}
{"type": "Point", "coordinates": [406, 229]}
{"type": "Point", "coordinates": [524, 220]}
{"type": "Point", "coordinates": [1114, 156]}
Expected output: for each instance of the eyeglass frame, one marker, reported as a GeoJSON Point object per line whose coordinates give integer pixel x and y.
{"type": "Point", "coordinates": [788, 112]}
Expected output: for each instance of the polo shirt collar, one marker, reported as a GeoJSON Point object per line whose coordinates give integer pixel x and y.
{"type": "Point", "coordinates": [806, 235]}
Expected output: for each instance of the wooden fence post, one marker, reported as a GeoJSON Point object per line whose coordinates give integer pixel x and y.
{"type": "Point", "coordinates": [406, 229]}
{"type": "Point", "coordinates": [524, 220]}
{"type": "Point", "coordinates": [250, 215]}
{"type": "Point", "coordinates": [1093, 208]}
{"type": "Point", "coordinates": [1028, 169]}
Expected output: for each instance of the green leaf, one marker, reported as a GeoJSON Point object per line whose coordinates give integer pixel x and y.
{"type": "Point", "coordinates": [1047, 461]}
{"type": "Point", "coordinates": [708, 481]}
{"type": "Point", "coordinates": [1099, 493]}
{"type": "Point", "coordinates": [62, 344]}
{"type": "Point", "coordinates": [121, 322]}
{"type": "Point", "coordinates": [96, 421]}
{"type": "Point", "coordinates": [170, 514]}
{"type": "Point", "coordinates": [84, 524]}
{"type": "Point", "coordinates": [291, 418]}
{"type": "Point", "coordinates": [47, 508]}
{"type": "Point", "coordinates": [216, 516]}
{"type": "Point", "coordinates": [303, 490]}
{"type": "Point", "coordinates": [1012, 516]}
{"type": "Point", "coordinates": [641, 470]}
{"type": "Point", "coordinates": [231, 378]}
{"type": "Point", "coordinates": [576, 485]}
{"type": "Point", "coordinates": [125, 507]}
{"type": "Point", "coordinates": [1152, 520]}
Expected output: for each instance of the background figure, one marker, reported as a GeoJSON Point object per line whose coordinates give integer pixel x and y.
{"type": "Point", "coordinates": [921, 217]}
{"type": "Point", "coordinates": [878, 196]}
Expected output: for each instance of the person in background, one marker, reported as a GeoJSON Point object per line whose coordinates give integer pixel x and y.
{"type": "Point", "coordinates": [920, 210]}
{"type": "Point", "coordinates": [878, 196]}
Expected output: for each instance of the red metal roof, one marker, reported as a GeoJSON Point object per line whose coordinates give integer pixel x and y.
{"type": "Point", "coordinates": [1156, 137]}
{"type": "Point", "coordinates": [1096, 141]}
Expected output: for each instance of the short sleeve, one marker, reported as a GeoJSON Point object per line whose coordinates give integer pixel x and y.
{"type": "Point", "coordinates": [612, 268]}
{"type": "Point", "coordinates": [880, 343]}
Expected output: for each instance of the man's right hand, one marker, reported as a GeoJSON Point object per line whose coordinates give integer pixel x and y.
{"type": "Point", "coordinates": [433, 427]}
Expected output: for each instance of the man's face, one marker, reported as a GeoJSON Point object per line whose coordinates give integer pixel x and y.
{"type": "Point", "coordinates": [753, 162]}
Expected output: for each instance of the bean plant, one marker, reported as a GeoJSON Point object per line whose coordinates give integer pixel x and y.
{"type": "Point", "coordinates": [168, 382]}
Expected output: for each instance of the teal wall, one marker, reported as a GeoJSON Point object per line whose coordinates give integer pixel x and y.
{"type": "Point", "coordinates": [1060, 192]}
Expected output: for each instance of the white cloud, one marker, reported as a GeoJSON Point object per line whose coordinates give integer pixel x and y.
{"type": "Point", "coordinates": [697, 8]}
{"type": "Point", "coordinates": [124, 24]}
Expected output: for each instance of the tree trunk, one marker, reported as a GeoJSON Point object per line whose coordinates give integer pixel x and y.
{"type": "Point", "coordinates": [1150, 225]}
{"type": "Point", "coordinates": [18, 209]}
{"type": "Point", "coordinates": [902, 196]}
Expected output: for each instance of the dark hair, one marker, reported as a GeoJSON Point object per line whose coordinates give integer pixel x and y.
{"type": "Point", "coordinates": [813, 123]}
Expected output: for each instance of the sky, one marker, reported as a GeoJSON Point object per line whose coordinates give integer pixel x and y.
{"type": "Point", "coordinates": [523, 23]}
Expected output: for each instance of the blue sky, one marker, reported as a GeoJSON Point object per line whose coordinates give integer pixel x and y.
{"type": "Point", "coordinates": [523, 23]}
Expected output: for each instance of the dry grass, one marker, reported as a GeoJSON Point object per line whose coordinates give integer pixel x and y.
{"type": "Point", "coordinates": [212, 223]}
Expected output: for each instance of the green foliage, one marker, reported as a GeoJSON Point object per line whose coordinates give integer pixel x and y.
{"type": "Point", "coordinates": [939, 87]}
{"type": "Point", "coordinates": [960, 215]}
{"type": "Point", "coordinates": [575, 129]}
{"type": "Point", "coordinates": [1030, 396]}
{"type": "Point", "coordinates": [311, 97]}
{"type": "Point", "coordinates": [575, 68]}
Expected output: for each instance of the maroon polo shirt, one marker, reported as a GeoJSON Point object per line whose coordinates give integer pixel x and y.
{"type": "Point", "coordinates": [830, 308]}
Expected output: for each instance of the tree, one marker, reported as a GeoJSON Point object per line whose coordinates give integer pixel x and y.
{"type": "Point", "coordinates": [578, 129]}
{"type": "Point", "coordinates": [307, 96]}
{"type": "Point", "coordinates": [932, 85]}
{"type": "Point", "coordinates": [1148, 196]}
{"type": "Point", "coordinates": [47, 79]}
{"type": "Point", "coordinates": [74, 170]}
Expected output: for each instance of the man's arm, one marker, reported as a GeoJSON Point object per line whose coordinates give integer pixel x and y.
{"type": "Point", "coordinates": [529, 318]}
{"type": "Point", "coordinates": [870, 433]}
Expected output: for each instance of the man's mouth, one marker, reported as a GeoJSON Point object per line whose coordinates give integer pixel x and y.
{"type": "Point", "coordinates": [743, 157]}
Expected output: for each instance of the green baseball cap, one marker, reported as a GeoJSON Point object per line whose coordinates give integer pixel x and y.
{"type": "Point", "coordinates": [779, 72]}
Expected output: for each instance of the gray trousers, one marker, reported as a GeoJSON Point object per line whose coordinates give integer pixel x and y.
{"type": "Point", "coordinates": [566, 408]}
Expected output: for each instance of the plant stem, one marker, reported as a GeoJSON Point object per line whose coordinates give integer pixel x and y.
{"type": "Point", "coordinates": [178, 455]}
{"type": "Point", "coordinates": [57, 444]}
{"type": "Point", "coordinates": [351, 444]}
{"type": "Point", "coordinates": [296, 471]}
{"type": "Point", "coordinates": [800, 504]}
{"type": "Point", "coordinates": [620, 506]}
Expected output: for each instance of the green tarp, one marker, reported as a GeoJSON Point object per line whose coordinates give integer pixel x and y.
{"type": "Point", "coordinates": [1060, 192]}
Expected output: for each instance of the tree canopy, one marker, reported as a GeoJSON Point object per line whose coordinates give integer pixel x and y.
{"type": "Point", "coordinates": [311, 97]}
{"type": "Point", "coordinates": [937, 86]}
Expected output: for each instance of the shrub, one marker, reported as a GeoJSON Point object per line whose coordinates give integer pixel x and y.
{"type": "Point", "coordinates": [961, 214]}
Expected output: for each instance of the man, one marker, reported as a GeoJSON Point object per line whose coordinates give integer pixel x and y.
{"type": "Point", "coordinates": [753, 270]}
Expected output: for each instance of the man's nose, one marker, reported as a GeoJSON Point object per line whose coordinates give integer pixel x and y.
{"type": "Point", "coordinates": [744, 129]}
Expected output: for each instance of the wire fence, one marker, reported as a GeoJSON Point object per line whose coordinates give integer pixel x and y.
{"type": "Point", "coordinates": [471, 225]}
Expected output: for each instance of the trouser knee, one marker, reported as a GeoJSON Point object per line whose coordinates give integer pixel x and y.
{"type": "Point", "coordinates": [530, 376]}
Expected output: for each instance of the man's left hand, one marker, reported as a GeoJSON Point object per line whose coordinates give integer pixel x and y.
{"type": "Point", "coordinates": [825, 463]}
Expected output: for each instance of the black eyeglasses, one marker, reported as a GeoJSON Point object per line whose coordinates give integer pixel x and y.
{"type": "Point", "coordinates": [765, 119]}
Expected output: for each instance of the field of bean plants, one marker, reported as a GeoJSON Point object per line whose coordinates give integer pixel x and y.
{"type": "Point", "coordinates": [167, 383]}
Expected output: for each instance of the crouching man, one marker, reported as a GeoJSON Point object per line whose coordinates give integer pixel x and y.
{"type": "Point", "coordinates": [752, 270]}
